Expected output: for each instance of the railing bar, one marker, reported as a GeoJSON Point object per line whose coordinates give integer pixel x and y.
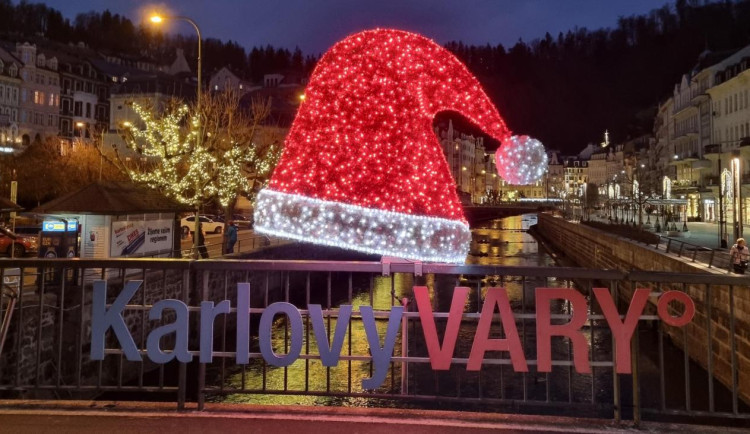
{"type": "Point", "coordinates": [59, 325]}
{"type": "Point", "coordinates": [372, 290]}
{"type": "Point", "coordinates": [523, 297]}
{"type": "Point", "coordinates": [19, 329]}
{"type": "Point", "coordinates": [328, 320]}
{"type": "Point", "coordinates": [570, 358]}
{"type": "Point", "coordinates": [686, 353]}
{"type": "Point", "coordinates": [523, 332]}
{"type": "Point", "coordinates": [392, 364]}
{"type": "Point", "coordinates": [120, 371]}
{"type": "Point", "coordinates": [202, 366]}
{"type": "Point", "coordinates": [615, 377]}
{"type": "Point", "coordinates": [79, 367]}
{"type": "Point", "coordinates": [286, 328]}
{"type": "Point", "coordinates": [634, 353]}
{"type": "Point", "coordinates": [307, 333]}
{"type": "Point", "coordinates": [163, 297]}
{"type": "Point", "coordinates": [224, 330]}
{"type": "Point", "coordinates": [480, 306]}
{"type": "Point", "coordinates": [142, 367]}
{"type": "Point", "coordinates": [733, 339]}
{"type": "Point", "coordinates": [244, 365]}
{"type": "Point", "coordinates": [39, 329]}
{"type": "Point", "coordinates": [662, 380]}
{"type": "Point", "coordinates": [349, 351]}
{"type": "Point", "coordinates": [265, 305]}
{"type": "Point", "coordinates": [710, 356]}
{"type": "Point", "coordinates": [182, 367]}
{"type": "Point", "coordinates": [593, 336]}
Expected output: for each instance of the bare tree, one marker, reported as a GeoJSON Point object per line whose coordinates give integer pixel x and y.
{"type": "Point", "coordinates": [201, 152]}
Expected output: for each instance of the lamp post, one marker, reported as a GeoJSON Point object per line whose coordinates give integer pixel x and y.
{"type": "Point", "coordinates": [158, 19]}
{"type": "Point", "coordinates": [737, 181]}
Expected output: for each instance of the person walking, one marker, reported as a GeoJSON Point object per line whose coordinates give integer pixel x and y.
{"type": "Point", "coordinates": [231, 236]}
{"type": "Point", "coordinates": [739, 256]}
{"type": "Point", "coordinates": [202, 249]}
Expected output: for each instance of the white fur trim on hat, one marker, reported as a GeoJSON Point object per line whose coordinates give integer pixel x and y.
{"type": "Point", "coordinates": [359, 228]}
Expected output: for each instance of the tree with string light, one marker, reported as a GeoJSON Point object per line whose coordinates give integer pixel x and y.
{"type": "Point", "coordinates": [202, 152]}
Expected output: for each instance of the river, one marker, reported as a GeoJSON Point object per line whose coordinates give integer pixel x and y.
{"type": "Point", "coordinates": [503, 241]}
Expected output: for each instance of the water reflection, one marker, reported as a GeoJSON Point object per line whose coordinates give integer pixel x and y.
{"type": "Point", "coordinates": [497, 242]}
{"type": "Point", "coordinates": [503, 242]}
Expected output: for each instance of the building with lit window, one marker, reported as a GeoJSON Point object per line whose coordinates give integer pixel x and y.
{"type": "Point", "coordinates": [10, 89]}
{"type": "Point", "coordinates": [39, 102]}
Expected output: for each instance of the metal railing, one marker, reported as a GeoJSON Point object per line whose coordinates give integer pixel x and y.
{"type": "Point", "coordinates": [246, 243]}
{"type": "Point", "coordinates": [693, 371]}
{"type": "Point", "coordinates": [712, 258]}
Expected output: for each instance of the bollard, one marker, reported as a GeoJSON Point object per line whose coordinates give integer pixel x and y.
{"type": "Point", "coordinates": [405, 348]}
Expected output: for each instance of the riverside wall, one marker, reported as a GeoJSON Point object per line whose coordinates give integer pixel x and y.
{"type": "Point", "coordinates": [594, 248]}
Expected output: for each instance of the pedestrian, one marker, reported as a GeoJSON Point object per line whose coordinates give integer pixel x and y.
{"type": "Point", "coordinates": [202, 243]}
{"type": "Point", "coordinates": [739, 256]}
{"type": "Point", "coordinates": [231, 236]}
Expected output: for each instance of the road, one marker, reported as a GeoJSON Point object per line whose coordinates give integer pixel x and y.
{"type": "Point", "coordinates": [247, 241]}
{"type": "Point", "coordinates": [130, 417]}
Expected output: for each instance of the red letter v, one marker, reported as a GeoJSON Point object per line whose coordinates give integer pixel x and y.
{"type": "Point", "coordinates": [440, 356]}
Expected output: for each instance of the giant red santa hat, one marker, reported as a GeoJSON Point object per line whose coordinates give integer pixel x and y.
{"type": "Point", "coordinates": [361, 167]}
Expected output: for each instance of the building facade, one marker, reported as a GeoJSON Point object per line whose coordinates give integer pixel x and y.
{"type": "Point", "coordinates": [39, 103]}
{"type": "Point", "coordinates": [10, 90]}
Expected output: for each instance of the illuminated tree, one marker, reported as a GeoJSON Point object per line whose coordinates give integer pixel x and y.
{"type": "Point", "coordinates": [51, 168]}
{"type": "Point", "coordinates": [199, 153]}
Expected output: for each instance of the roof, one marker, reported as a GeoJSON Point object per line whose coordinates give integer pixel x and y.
{"type": "Point", "coordinates": [111, 198]}
{"type": "Point", "coordinates": [7, 205]}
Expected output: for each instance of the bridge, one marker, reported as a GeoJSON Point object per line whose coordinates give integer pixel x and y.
{"type": "Point", "coordinates": [171, 330]}
{"type": "Point", "coordinates": [478, 213]}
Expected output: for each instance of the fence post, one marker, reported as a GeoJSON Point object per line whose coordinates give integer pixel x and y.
{"type": "Point", "coordinates": [405, 348]}
{"type": "Point", "coordinates": [615, 378]}
{"type": "Point", "coordinates": [669, 243]}
{"type": "Point", "coordinates": [636, 387]}
{"type": "Point", "coordinates": [682, 246]}
{"type": "Point", "coordinates": [711, 259]}
{"type": "Point", "coordinates": [695, 252]}
{"type": "Point", "coordinates": [182, 370]}
{"type": "Point", "coordinates": [202, 366]}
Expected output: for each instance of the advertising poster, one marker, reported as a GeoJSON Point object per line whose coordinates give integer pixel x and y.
{"type": "Point", "coordinates": [140, 238]}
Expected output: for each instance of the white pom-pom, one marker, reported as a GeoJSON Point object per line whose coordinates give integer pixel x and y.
{"type": "Point", "coordinates": [521, 160]}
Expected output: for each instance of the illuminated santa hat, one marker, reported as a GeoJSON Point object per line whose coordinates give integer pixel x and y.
{"type": "Point", "coordinates": [361, 167]}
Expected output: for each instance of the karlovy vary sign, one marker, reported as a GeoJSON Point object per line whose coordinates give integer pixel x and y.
{"type": "Point", "coordinates": [105, 317]}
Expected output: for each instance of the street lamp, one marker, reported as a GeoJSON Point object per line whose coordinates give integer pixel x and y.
{"type": "Point", "coordinates": [737, 181]}
{"type": "Point", "coordinates": [158, 19]}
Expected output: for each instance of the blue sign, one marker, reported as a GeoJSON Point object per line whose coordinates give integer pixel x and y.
{"type": "Point", "coordinates": [59, 226]}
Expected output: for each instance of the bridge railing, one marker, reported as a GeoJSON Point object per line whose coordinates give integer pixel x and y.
{"type": "Point", "coordinates": [694, 371]}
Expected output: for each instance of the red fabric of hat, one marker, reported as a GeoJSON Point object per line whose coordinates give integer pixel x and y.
{"type": "Point", "coordinates": [361, 166]}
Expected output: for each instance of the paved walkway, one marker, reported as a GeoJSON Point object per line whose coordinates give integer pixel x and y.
{"type": "Point", "coordinates": [78, 417]}
{"type": "Point", "coordinates": [704, 234]}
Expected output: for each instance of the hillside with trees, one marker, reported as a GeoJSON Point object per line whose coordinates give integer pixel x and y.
{"type": "Point", "coordinates": [564, 89]}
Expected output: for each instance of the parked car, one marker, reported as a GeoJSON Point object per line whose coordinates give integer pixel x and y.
{"type": "Point", "coordinates": [242, 221]}
{"type": "Point", "coordinates": [25, 242]}
{"type": "Point", "coordinates": [208, 224]}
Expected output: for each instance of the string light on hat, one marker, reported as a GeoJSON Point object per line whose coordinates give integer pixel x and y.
{"type": "Point", "coordinates": [361, 166]}
{"type": "Point", "coordinates": [521, 160]}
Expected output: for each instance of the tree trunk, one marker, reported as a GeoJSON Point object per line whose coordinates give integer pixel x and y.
{"type": "Point", "coordinates": [228, 213]}
{"type": "Point", "coordinates": [196, 229]}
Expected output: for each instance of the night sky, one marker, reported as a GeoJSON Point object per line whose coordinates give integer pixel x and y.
{"type": "Point", "coordinates": [314, 25]}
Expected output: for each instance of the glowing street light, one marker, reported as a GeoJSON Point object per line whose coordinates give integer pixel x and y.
{"type": "Point", "coordinates": [158, 19]}
{"type": "Point", "coordinates": [737, 202]}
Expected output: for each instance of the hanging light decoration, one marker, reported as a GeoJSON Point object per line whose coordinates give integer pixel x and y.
{"type": "Point", "coordinates": [361, 167]}
{"type": "Point", "coordinates": [521, 160]}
